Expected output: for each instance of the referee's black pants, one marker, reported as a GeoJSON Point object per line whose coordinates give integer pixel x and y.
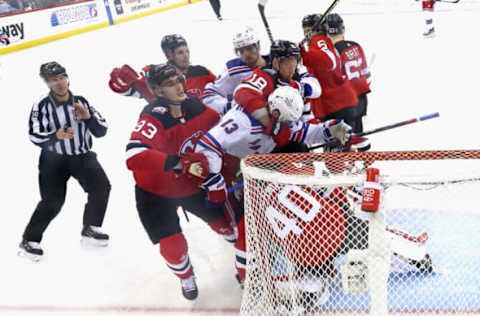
{"type": "Point", "coordinates": [55, 170]}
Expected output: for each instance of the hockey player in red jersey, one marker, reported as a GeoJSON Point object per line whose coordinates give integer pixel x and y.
{"type": "Point", "coordinates": [168, 173]}
{"type": "Point", "coordinates": [428, 6]}
{"type": "Point", "coordinates": [338, 99]}
{"type": "Point", "coordinates": [127, 81]}
{"type": "Point", "coordinates": [252, 94]}
{"type": "Point", "coordinates": [354, 65]}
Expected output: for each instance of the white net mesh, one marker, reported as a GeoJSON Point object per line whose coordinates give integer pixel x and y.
{"type": "Point", "coordinates": [312, 250]}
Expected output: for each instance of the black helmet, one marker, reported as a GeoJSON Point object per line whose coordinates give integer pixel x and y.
{"type": "Point", "coordinates": [51, 69]}
{"type": "Point", "coordinates": [334, 24]}
{"type": "Point", "coordinates": [156, 74]}
{"type": "Point", "coordinates": [311, 19]}
{"type": "Point", "coordinates": [171, 42]}
{"type": "Point", "coordinates": [284, 49]}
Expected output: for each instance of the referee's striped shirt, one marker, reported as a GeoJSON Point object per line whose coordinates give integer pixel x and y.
{"type": "Point", "coordinates": [49, 115]}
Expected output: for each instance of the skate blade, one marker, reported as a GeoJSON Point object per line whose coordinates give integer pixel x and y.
{"type": "Point", "coordinates": [93, 243]}
{"type": "Point", "coordinates": [29, 256]}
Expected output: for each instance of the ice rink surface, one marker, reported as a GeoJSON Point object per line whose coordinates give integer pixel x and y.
{"type": "Point", "coordinates": [412, 76]}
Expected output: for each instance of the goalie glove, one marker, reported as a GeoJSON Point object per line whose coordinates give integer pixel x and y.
{"type": "Point", "coordinates": [337, 130]}
{"type": "Point", "coordinates": [355, 272]}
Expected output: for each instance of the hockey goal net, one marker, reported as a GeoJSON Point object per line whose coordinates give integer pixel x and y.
{"type": "Point", "coordinates": [312, 250]}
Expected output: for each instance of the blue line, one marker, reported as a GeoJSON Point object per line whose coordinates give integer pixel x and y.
{"type": "Point", "coordinates": [109, 12]}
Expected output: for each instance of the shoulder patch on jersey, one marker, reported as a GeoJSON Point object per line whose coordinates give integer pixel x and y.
{"type": "Point", "coordinates": [192, 107]}
{"type": "Point", "coordinates": [197, 71]}
{"type": "Point", "coordinates": [165, 119]}
{"type": "Point", "coordinates": [160, 109]}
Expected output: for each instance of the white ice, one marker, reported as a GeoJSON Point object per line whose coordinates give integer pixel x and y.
{"type": "Point", "coordinates": [412, 76]}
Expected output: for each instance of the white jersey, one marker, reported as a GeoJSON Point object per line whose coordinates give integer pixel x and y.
{"type": "Point", "coordinates": [239, 134]}
{"type": "Point", "coordinates": [218, 94]}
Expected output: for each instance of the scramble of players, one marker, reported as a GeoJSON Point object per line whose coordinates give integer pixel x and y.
{"type": "Point", "coordinates": [186, 147]}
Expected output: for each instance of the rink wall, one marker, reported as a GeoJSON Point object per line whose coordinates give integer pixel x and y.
{"type": "Point", "coordinates": [35, 26]}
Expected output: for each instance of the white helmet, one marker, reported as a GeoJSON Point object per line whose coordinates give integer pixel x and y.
{"type": "Point", "coordinates": [288, 102]}
{"type": "Point", "coordinates": [245, 38]}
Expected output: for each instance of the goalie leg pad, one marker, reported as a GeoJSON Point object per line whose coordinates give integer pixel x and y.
{"type": "Point", "coordinates": [174, 250]}
{"type": "Point", "coordinates": [355, 272]}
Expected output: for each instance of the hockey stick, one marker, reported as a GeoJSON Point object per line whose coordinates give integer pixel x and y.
{"type": "Point", "coordinates": [235, 188]}
{"type": "Point", "coordinates": [324, 16]}
{"type": "Point", "coordinates": [387, 127]}
{"type": "Point", "coordinates": [261, 9]}
{"type": "Point", "coordinates": [403, 123]}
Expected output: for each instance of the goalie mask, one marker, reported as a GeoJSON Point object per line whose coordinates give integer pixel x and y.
{"type": "Point", "coordinates": [288, 102]}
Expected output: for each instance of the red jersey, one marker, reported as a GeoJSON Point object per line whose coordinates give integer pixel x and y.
{"type": "Point", "coordinates": [323, 61]}
{"type": "Point", "coordinates": [157, 135]}
{"type": "Point", "coordinates": [355, 66]}
{"type": "Point", "coordinates": [428, 5]}
{"type": "Point", "coordinates": [196, 78]}
{"type": "Point", "coordinates": [252, 94]}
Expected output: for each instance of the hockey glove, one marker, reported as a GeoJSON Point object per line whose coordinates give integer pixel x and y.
{"type": "Point", "coordinates": [216, 190]}
{"type": "Point", "coordinates": [357, 143]}
{"type": "Point", "coordinates": [337, 130]}
{"type": "Point", "coordinates": [360, 143]}
{"type": "Point", "coordinates": [195, 166]}
{"type": "Point", "coordinates": [192, 165]}
{"type": "Point", "coordinates": [122, 79]}
{"type": "Point", "coordinates": [280, 132]}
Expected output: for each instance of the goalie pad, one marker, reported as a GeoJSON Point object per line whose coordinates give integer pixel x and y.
{"type": "Point", "coordinates": [355, 272]}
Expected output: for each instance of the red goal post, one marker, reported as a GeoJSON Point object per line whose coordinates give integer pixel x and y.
{"type": "Point", "coordinates": [311, 249]}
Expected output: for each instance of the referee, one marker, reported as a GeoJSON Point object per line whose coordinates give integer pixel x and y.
{"type": "Point", "coordinates": [62, 124]}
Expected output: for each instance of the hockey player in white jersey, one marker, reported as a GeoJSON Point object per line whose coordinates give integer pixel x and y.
{"type": "Point", "coordinates": [219, 94]}
{"type": "Point", "coordinates": [239, 134]}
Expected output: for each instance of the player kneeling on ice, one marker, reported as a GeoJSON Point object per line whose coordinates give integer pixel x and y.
{"type": "Point", "coordinates": [168, 174]}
